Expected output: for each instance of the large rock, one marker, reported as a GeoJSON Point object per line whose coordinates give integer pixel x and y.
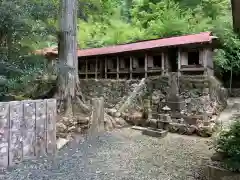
{"type": "Point", "coordinates": [153, 123]}
{"type": "Point", "coordinates": [206, 131]}
{"type": "Point", "coordinates": [61, 127]}
{"type": "Point", "coordinates": [218, 156]}
{"type": "Point", "coordinates": [82, 120]}
{"type": "Point", "coordinates": [191, 129]}
{"type": "Point", "coordinates": [136, 118]}
{"type": "Point", "coordinates": [178, 128]}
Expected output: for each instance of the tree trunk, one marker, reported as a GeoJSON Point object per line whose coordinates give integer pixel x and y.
{"type": "Point", "coordinates": [236, 15]}
{"type": "Point", "coordinates": [68, 80]}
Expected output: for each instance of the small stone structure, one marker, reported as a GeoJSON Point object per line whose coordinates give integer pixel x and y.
{"type": "Point", "coordinates": [27, 130]}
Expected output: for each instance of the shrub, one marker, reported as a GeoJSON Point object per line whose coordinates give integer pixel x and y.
{"type": "Point", "coordinates": [228, 143]}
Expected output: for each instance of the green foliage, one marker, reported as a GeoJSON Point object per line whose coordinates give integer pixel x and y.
{"type": "Point", "coordinates": [229, 55]}
{"type": "Point", "coordinates": [24, 25]}
{"type": "Point", "coordinates": [229, 144]}
{"type": "Point", "coordinates": [131, 20]}
{"type": "Point", "coordinates": [102, 34]}
{"type": "Point", "coordinates": [166, 18]}
{"type": "Point", "coordinates": [28, 25]}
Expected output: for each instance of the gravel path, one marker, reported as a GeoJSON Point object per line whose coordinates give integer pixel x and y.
{"type": "Point", "coordinates": [124, 154]}
{"type": "Point", "coordinates": [232, 110]}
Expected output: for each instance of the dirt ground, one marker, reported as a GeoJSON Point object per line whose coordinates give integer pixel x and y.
{"type": "Point", "coordinates": [121, 154]}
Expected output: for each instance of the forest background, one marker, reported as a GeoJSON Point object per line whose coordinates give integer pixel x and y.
{"type": "Point", "coordinates": [29, 25]}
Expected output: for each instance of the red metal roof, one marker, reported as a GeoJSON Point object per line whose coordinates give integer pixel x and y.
{"type": "Point", "coordinates": [205, 37]}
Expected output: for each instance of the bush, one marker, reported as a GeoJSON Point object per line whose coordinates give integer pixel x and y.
{"type": "Point", "coordinates": [228, 143]}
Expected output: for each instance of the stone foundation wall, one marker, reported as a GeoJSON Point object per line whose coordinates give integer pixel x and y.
{"type": "Point", "coordinates": [115, 92]}
{"type": "Point", "coordinates": [197, 94]}
{"type": "Point", "coordinates": [194, 101]}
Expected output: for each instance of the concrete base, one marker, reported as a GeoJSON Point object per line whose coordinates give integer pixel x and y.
{"type": "Point", "coordinates": [155, 132]}
{"type": "Point", "coordinates": [216, 173]}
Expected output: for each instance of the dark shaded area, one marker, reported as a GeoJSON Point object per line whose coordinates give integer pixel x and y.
{"type": "Point", "coordinates": [236, 15]}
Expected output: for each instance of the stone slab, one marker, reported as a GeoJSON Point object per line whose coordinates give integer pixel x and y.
{"type": "Point", "coordinates": [61, 142]}
{"type": "Point", "coordinates": [139, 128]}
{"type": "Point", "coordinates": [155, 132]}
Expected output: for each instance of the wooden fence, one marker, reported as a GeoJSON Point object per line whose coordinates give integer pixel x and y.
{"type": "Point", "coordinates": [27, 130]}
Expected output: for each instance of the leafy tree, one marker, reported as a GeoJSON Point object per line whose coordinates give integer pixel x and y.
{"type": "Point", "coordinates": [22, 24]}
{"type": "Point", "coordinates": [228, 143]}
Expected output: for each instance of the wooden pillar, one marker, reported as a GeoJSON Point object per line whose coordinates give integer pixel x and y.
{"type": "Point", "coordinates": [146, 65]}
{"type": "Point", "coordinates": [105, 67]}
{"type": "Point", "coordinates": [96, 68]}
{"type": "Point", "coordinates": [179, 61]}
{"type": "Point", "coordinates": [130, 67]}
{"type": "Point", "coordinates": [205, 56]}
{"type": "Point", "coordinates": [117, 67]}
{"type": "Point", "coordinates": [163, 62]}
{"type": "Point", "coordinates": [86, 70]}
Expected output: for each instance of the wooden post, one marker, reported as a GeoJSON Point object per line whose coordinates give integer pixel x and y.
{"type": "Point", "coordinates": [205, 57]}
{"type": "Point", "coordinates": [4, 126]}
{"type": "Point", "coordinates": [105, 67]}
{"type": "Point", "coordinates": [101, 68]}
{"type": "Point", "coordinates": [130, 67]}
{"type": "Point", "coordinates": [179, 61]}
{"type": "Point", "coordinates": [51, 126]}
{"type": "Point", "coordinates": [96, 68]}
{"type": "Point", "coordinates": [117, 67]}
{"type": "Point", "coordinates": [163, 62]}
{"type": "Point", "coordinates": [146, 65]}
{"type": "Point", "coordinates": [97, 121]}
{"type": "Point", "coordinates": [86, 70]}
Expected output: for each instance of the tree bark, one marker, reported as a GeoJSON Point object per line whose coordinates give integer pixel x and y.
{"type": "Point", "coordinates": [236, 15]}
{"type": "Point", "coordinates": [68, 80]}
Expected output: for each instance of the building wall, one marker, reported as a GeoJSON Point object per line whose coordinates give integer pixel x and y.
{"type": "Point", "coordinates": [143, 65]}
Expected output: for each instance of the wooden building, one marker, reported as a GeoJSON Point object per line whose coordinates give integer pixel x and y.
{"type": "Point", "coordinates": [190, 54]}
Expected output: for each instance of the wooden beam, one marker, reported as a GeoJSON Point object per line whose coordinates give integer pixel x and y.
{"type": "Point", "coordinates": [130, 67]}
{"type": "Point", "coordinates": [146, 65]}
{"type": "Point", "coordinates": [117, 67]}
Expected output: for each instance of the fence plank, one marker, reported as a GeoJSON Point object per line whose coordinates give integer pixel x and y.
{"type": "Point", "coordinates": [98, 116]}
{"type": "Point", "coordinates": [41, 136]}
{"type": "Point", "coordinates": [51, 126]}
{"type": "Point", "coordinates": [4, 130]}
{"type": "Point", "coordinates": [28, 128]}
{"type": "Point", "coordinates": [15, 137]}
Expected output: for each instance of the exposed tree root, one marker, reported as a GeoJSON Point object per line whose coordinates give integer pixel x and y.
{"type": "Point", "coordinates": [73, 111]}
